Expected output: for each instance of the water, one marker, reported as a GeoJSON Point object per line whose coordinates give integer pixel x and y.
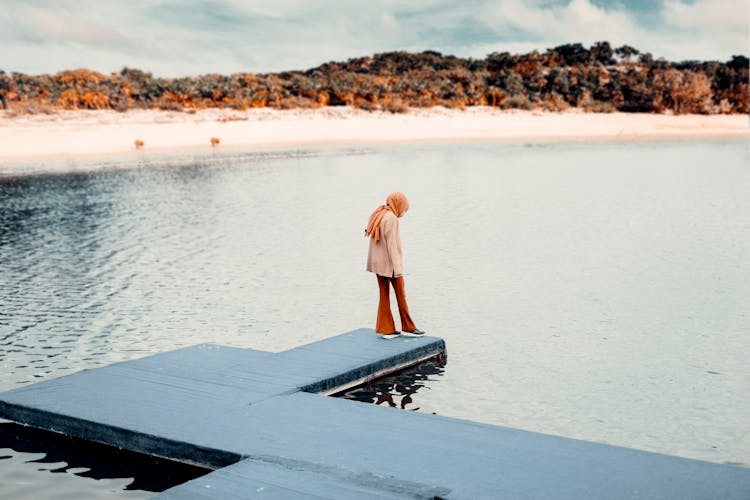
{"type": "Point", "coordinates": [591, 290]}
{"type": "Point", "coordinates": [74, 468]}
{"type": "Point", "coordinates": [398, 390]}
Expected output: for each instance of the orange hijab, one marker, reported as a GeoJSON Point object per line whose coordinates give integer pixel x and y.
{"type": "Point", "coordinates": [396, 203]}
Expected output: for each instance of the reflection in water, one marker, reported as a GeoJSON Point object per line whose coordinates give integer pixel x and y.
{"type": "Point", "coordinates": [396, 390]}
{"type": "Point", "coordinates": [91, 460]}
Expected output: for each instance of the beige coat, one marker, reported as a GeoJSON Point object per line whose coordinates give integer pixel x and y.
{"type": "Point", "coordinates": [386, 257]}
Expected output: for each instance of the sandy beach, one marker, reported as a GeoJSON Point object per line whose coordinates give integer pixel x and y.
{"type": "Point", "coordinates": [85, 133]}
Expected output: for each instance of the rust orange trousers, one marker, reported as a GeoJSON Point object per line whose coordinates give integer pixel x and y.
{"type": "Point", "coordinates": [384, 323]}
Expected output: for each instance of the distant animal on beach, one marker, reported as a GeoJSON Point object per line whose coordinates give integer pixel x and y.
{"type": "Point", "coordinates": [138, 144]}
{"type": "Point", "coordinates": [215, 141]}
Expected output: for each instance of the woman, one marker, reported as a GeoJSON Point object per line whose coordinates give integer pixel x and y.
{"type": "Point", "coordinates": [385, 259]}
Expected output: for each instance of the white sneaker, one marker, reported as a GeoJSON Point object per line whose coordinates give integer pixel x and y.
{"type": "Point", "coordinates": [389, 335]}
{"type": "Point", "coordinates": [416, 332]}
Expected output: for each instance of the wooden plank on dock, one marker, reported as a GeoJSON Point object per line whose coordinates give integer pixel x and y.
{"type": "Point", "coordinates": [252, 479]}
{"type": "Point", "coordinates": [402, 454]}
{"type": "Point", "coordinates": [354, 357]}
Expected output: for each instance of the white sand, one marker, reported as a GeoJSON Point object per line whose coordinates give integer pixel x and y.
{"type": "Point", "coordinates": [84, 133]}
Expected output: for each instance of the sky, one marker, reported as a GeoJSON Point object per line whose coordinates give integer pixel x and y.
{"type": "Point", "coordinates": [189, 37]}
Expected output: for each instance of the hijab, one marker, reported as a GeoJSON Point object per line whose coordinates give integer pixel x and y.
{"type": "Point", "coordinates": [396, 203]}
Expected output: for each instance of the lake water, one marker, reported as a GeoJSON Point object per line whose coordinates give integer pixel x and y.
{"type": "Point", "coordinates": [592, 290]}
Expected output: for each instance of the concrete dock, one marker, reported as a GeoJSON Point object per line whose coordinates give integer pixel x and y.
{"type": "Point", "coordinates": [261, 420]}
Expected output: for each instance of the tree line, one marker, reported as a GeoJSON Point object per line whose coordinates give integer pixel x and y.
{"type": "Point", "coordinates": [596, 79]}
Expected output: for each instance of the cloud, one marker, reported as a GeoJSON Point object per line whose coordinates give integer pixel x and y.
{"type": "Point", "coordinates": [41, 37]}
{"type": "Point", "coordinates": [55, 24]}
{"type": "Point", "coordinates": [707, 15]}
{"type": "Point", "coordinates": [577, 21]}
{"type": "Point", "coordinates": [171, 38]}
{"type": "Point", "coordinates": [711, 29]}
{"type": "Point", "coordinates": [703, 29]}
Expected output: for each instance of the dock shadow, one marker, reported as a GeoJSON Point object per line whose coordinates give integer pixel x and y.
{"type": "Point", "coordinates": [94, 460]}
{"type": "Point", "coordinates": [398, 389]}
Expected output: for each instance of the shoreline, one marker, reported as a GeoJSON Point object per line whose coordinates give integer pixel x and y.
{"type": "Point", "coordinates": [76, 135]}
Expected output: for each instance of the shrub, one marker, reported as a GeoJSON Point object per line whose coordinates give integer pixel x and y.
{"type": "Point", "coordinates": [170, 106]}
{"type": "Point", "coordinates": [396, 106]}
{"type": "Point", "coordinates": [595, 79]}
{"type": "Point", "coordinates": [554, 102]}
{"type": "Point", "coordinates": [518, 102]}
